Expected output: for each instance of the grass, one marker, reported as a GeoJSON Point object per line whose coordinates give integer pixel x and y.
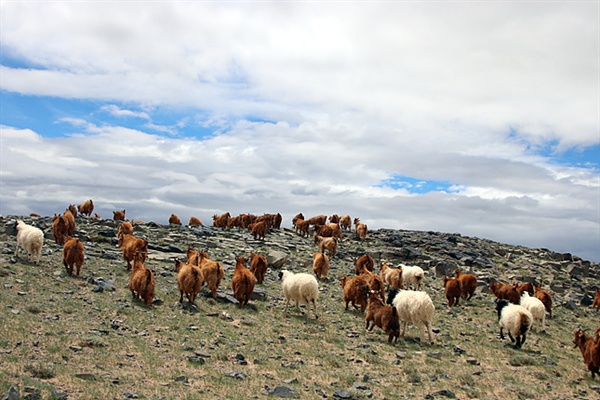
{"type": "Point", "coordinates": [57, 334]}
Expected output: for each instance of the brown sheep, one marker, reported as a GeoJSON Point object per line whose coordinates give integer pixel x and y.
{"type": "Point", "coordinates": [360, 229]}
{"type": "Point", "coordinates": [504, 291]}
{"type": "Point", "coordinates": [590, 351]}
{"type": "Point", "coordinates": [327, 243]}
{"type": "Point", "coordinates": [73, 209]}
{"type": "Point", "coordinates": [119, 215]}
{"type": "Point", "coordinates": [60, 228]}
{"type": "Point", "coordinates": [453, 290]}
{"type": "Point", "coordinates": [125, 228]}
{"type": "Point", "coordinates": [194, 222]}
{"type": "Point", "coordinates": [73, 255]}
{"type": "Point", "coordinates": [544, 297]}
{"type": "Point", "coordinates": [468, 283]}
{"type": "Point", "coordinates": [303, 228]}
{"type": "Point", "coordinates": [259, 230]}
{"type": "Point", "coordinates": [258, 266]}
{"type": "Point", "coordinates": [392, 277]}
{"type": "Point", "coordinates": [212, 272]}
{"type": "Point", "coordinates": [596, 303]}
{"type": "Point", "coordinates": [71, 220]}
{"type": "Point", "coordinates": [320, 265]}
{"type": "Point", "coordinates": [356, 291]}
{"type": "Point", "coordinates": [384, 316]}
{"type": "Point", "coordinates": [527, 286]}
{"type": "Point", "coordinates": [130, 245]}
{"type": "Point", "coordinates": [86, 208]}
{"type": "Point", "coordinates": [220, 221]}
{"type": "Point", "coordinates": [174, 220]}
{"type": "Point", "coordinates": [366, 261]}
{"type": "Point", "coordinates": [242, 282]}
{"type": "Point", "coordinates": [189, 281]}
{"type": "Point", "coordinates": [141, 280]}
{"type": "Point", "coordinates": [346, 222]}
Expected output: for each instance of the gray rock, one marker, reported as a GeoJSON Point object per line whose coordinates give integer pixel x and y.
{"type": "Point", "coordinates": [284, 392]}
{"type": "Point", "coordinates": [58, 395]}
{"type": "Point", "coordinates": [342, 394]}
{"type": "Point", "coordinates": [276, 259]}
{"type": "Point", "coordinates": [12, 394]}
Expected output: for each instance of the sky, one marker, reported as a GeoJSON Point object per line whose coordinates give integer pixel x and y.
{"type": "Point", "coordinates": [473, 117]}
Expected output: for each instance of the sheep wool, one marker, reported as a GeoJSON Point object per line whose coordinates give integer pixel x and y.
{"type": "Point", "coordinates": [416, 308]}
{"type": "Point", "coordinates": [536, 308]}
{"type": "Point", "coordinates": [30, 239]}
{"type": "Point", "coordinates": [516, 319]}
{"type": "Point", "coordinates": [300, 287]}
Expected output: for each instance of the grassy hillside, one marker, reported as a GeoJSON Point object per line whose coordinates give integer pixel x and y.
{"type": "Point", "coordinates": [60, 337]}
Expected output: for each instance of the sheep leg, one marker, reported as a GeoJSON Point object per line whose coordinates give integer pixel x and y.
{"type": "Point", "coordinates": [315, 309]}
{"type": "Point", "coordinates": [287, 302]}
{"type": "Point", "coordinates": [512, 339]}
{"type": "Point", "coordinates": [501, 333]}
{"type": "Point", "coordinates": [298, 308]}
{"type": "Point", "coordinates": [403, 329]}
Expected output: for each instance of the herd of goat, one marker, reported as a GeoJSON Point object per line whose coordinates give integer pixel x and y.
{"type": "Point", "coordinates": [519, 307]}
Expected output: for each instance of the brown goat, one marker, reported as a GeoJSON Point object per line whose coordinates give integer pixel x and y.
{"type": "Point", "coordinates": [220, 221]}
{"type": "Point", "coordinates": [392, 277]}
{"type": "Point", "coordinates": [360, 229]}
{"type": "Point", "coordinates": [590, 351]}
{"type": "Point", "coordinates": [327, 243]}
{"type": "Point", "coordinates": [86, 208]}
{"type": "Point", "coordinates": [356, 291]}
{"type": "Point", "coordinates": [303, 228]}
{"type": "Point", "coordinates": [374, 281]}
{"type": "Point", "coordinates": [384, 316]}
{"type": "Point", "coordinates": [212, 272]}
{"type": "Point", "coordinates": [544, 297]}
{"type": "Point", "coordinates": [119, 215]}
{"type": "Point", "coordinates": [174, 220]}
{"type": "Point", "coordinates": [194, 222]}
{"type": "Point", "coordinates": [73, 255]}
{"type": "Point", "coordinates": [189, 281]}
{"type": "Point", "coordinates": [298, 217]}
{"type": "Point", "coordinates": [73, 209]}
{"type": "Point", "coordinates": [504, 291]}
{"type": "Point", "coordinates": [346, 222]}
{"type": "Point", "coordinates": [242, 282]}
{"type": "Point", "coordinates": [527, 286]}
{"type": "Point", "coordinates": [192, 256]}
{"type": "Point", "coordinates": [366, 261]}
{"type": "Point", "coordinates": [96, 216]}
{"type": "Point", "coordinates": [71, 220]}
{"type": "Point", "coordinates": [130, 245]}
{"type": "Point", "coordinates": [317, 220]}
{"type": "Point", "coordinates": [141, 280]}
{"type": "Point", "coordinates": [258, 266]}
{"type": "Point", "coordinates": [468, 284]}
{"type": "Point", "coordinates": [596, 303]}
{"type": "Point", "coordinates": [453, 290]}
{"type": "Point", "coordinates": [125, 228]}
{"type": "Point", "coordinates": [259, 230]}
{"type": "Point", "coordinates": [334, 219]}
{"type": "Point", "coordinates": [320, 265]}
{"type": "Point", "coordinates": [60, 228]}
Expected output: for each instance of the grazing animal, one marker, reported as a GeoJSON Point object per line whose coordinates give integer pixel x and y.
{"type": "Point", "coordinates": [30, 239]}
{"type": "Point", "coordinates": [453, 290]}
{"type": "Point", "coordinates": [119, 215]}
{"type": "Point", "coordinates": [544, 297]}
{"type": "Point", "coordinates": [194, 222]}
{"type": "Point", "coordinates": [327, 243]}
{"type": "Point", "coordinates": [468, 283]}
{"type": "Point", "coordinates": [596, 303]}
{"type": "Point", "coordinates": [141, 280]}
{"type": "Point", "coordinates": [258, 266]}
{"type": "Point", "coordinates": [73, 209]}
{"type": "Point", "coordinates": [384, 316]}
{"type": "Point", "coordinates": [414, 308]}
{"type": "Point", "coordinates": [346, 222]}
{"type": "Point", "coordinates": [526, 287]}
{"type": "Point", "coordinates": [212, 272]}
{"type": "Point", "coordinates": [189, 281]}
{"type": "Point", "coordinates": [71, 221]}
{"type": "Point", "coordinates": [504, 291]}
{"type": "Point", "coordinates": [516, 319]}
{"type": "Point", "coordinates": [300, 287]}
{"type": "Point", "coordinates": [334, 219]}
{"type": "Point", "coordinates": [73, 255]}
{"type": "Point", "coordinates": [60, 228]}
{"type": "Point", "coordinates": [365, 261]}
{"type": "Point", "coordinates": [125, 228]}
{"type": "Point", "coordinates": [242, 282]}
{"type": "Point", "coordinates": [130, 246]}
{"type": "Point", "coordinates": [536, 308]}
{"type": "Point", "coordinates": [412, 276]}
{"type": "Point", "coordinates": [86, 208]}
{"type": "Point", "coordinates": [356, 291]}
{"type": "Point", "coordinates": [590, 350]}
{"type": "Point", "coordinates": [360, 229]}
{"type": "Point", "coordinates": [374, 281]}
{"type": "Point", "coordinates": [320, 265]}
{"type": "Point", "coordinates": [298, 217]}
{"type": "Point", "coordinates": [192, 256]}
{"type": "Point", "coordinates": [303, 228]}
{"type": "Point", "coordinates": [174, 220]}
{"type": "Point", "coordinates": [392, 277]}
{"type": "Point", "coordinates": [317, 220]}
{"type": "Point", "coordinates": [96, 216]}
{"type": "Point", "coordinates": [220, 221]}
{"type": "Point", "coordinates": [259, 230]}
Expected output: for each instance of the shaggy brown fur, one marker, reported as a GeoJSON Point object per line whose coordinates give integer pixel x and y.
{"type": "Point", "coordinates": [392, 277]}
{"type": "Point", "coordinates": [130, 245]}
{"type": "Point", "coordinates": [356, 291]}
{"type": "Point", "coordinates": [596, 303]}
{"type": "Point", "coordinates": [590, 351]}
{"type": "Point", "coordinates": [258, 266]}
{"type": "Point", "coordinates": [60, 228]}
{"type": "Point", "coordinates": [453, 290]}
{"type": "Point", "coordinates": [86, 208]}
{"type": "Point", "coordinates": [141, 281]}
{"type": "Point", "coordinates": [212, 272]}
{"type": "Point", "coordinates": [320, 265]}
{"type": "Point", "coordinates": [468, 283]}
{"type": "Point", "coordinates": [174, 220]}
{"type": "Point", "coordinates": [73, 255]}
{"type": "Point", "coordinates": [504, 291]}
{"type": "Point", "coordinates": [544, 297]}
{"type": "Point", "coordinates": [119, 215]}
{"type": "Point", "coordinates": [259, 230]}
{"type": "Point", "coordinates": [242, 282]}
{"type": "Point", "coordinates": [194, 222]}
{"type": "Point", "coordinates": [364, 261]}
{"type": "Point", "coordinates": [384, 316]}
{"type": "Point", "coordinates": [189, 281]}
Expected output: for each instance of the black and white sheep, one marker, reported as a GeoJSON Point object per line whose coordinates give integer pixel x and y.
{"type": "Point", "coordinates": [414, 307]}
{"type": "Point", "coordinates": [300, 287]}
{"type": "Point", "coordinates": [516, 319]}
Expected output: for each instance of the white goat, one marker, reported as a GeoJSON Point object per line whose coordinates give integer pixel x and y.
{"type": "Point", "coordinates": [536, 308]}
{"type": "Point", "coordinates": [31, 239]}
{"type": "Point", "coordinates": [413, 307]}
{"type": "Point", "coordinates": [412, 276]}
{"type": "Point", "coordinates": [300, 288]}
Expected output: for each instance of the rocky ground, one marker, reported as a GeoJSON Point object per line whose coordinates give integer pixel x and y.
{"type": "Point", "coordinates": [64, 337]}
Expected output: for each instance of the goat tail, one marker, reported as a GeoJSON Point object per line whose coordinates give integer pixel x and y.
{"type": "Point", "coordinates": [148, 277]}
{"type": "Point", "coordinates": [524, 324]}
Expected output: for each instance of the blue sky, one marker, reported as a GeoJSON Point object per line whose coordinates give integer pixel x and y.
{"type": "Point", "coordinates": [427, 116]}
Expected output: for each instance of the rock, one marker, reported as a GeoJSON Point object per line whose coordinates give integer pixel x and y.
{"type": "Point", "coordinates": [86, 377]}
{"type": "Point", "coordinates": [236, 375]}
{"type": "Point", "coordinates": [284, 392]}
{"type": "Point", "coordinates": [12, 394]}
{"type": "Point", "coordinates": [445, 393]}
{"type": "Point", "coordinates": [276, 259]}
{"type": "Point", "coordinates": [55, 395]}
{"type": "Point", "coordinates": [101, 285]}
{"type": "Point", "coordinates": [342, 394]}
{"type": "Point", "coordinates": [570, 305]}
{"type": "Point", "coordinates": [196, 360]}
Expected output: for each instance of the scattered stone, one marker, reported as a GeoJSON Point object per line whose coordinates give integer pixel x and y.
{"type": "Point", "coordinates": [472, 361]}
{"type": "Point", "coordinates": [196, 360]}
{"type": "Point", "coordinates": [342, 394]}
{"type": "Point", "coordinates": [284, 392]}
{"type": "Point", "coordinates": [86, 377]}
{"type": "Point", "coordinates": [236, 375]}
{"type": "Point", "coordinates": [55, 395]}
{"type": "Point", "coordinates": [12, 394]}
{"type": "Point", "coordinates": [181, 378]}
{"type": "Point", "coordinates": [458, 350]}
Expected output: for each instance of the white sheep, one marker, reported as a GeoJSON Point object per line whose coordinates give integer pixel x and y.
{"type": "Point", "coordinates": [413, 307]}
{"type": "Point", "coordinates": [31, 239]}
{"type": "Point", "coordinates": [299, 288]}
{"type": "Point", "coordinates": [515, 319]}
{"type": "Point", "coordinates": [536, 308]}
{"type": "Point", "coordinates": [412, 276]}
